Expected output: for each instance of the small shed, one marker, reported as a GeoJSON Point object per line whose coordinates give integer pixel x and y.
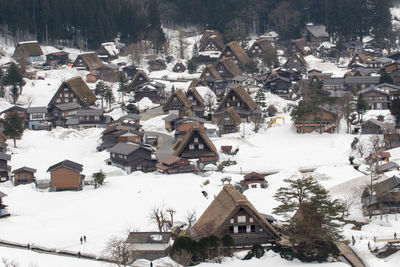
{"type": "Point", "coordinates": [226, 150]}
{"type": "Point", "coordinates": [150, 245]}
{"type": "Point", "coordinates": [66, 175]}
{"type": "Point", "coordinates": [24, 175]}
{"type": "Point", "coordinates": [254, 180]}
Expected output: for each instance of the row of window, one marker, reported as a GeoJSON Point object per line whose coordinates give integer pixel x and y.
{"type": "Point", "coordinates": [241, 229]}
{"type": "Point", "coordinates": [192, 146]}
{"type": "Point", "coordinates": [241, 219]}
{"type": "Point", "coordinates": [67, 100]}
{"type": "Point", "coordinates": [233, 104]}
{"type": "Point", "coordinates": [115, 155]}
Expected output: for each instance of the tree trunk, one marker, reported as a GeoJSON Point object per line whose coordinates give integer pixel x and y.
{"type": "Point", "coordinates": [15, 142]}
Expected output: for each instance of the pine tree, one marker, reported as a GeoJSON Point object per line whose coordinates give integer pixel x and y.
{"type": "Point", "coordinates": [361, 106]}
{"type": "Point", "coordinates": [109, 98]}
{"type": "Point", "coordinates": [173, 88]}
{"type": "Point", "coordinates": [98, 178]}
{"type": "Point", "coordinates": [192, 67]}
{"type": "Point", "coordinates": [14, 127]}
{"type": "Point", "coordinates": [385, 77]}
{"type": "Point", "coordinates": [100, 91]}
{"type": "Point", "coordinates": [131, 108]}
{"type": "Point", "coordinates": [395, 108]}
{"type": "Point", "coordinates": [13, 77]}
{"type": "Point", "coordinates": [315, 227]}
{"type": "Point", "coordinates": [122, 85]}
{"type": "Point", "coordinates": [260, 98]}
{"type": "Point", "coordinates": [195, 51]}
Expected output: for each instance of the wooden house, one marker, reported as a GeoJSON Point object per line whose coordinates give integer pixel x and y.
{"type": "Point", "coordinates": [108, 72]}
{"type": "Point", "coordinates": [356, 84]}
{"type": "Point", "coordinates": [88, 61]}
{"type": "Point", "coordinates": [241, 101]}
{"type": "Point", "coordinates": [280, 86]}
{"type": "Point", "coordinates": [170, 121]}
{"type": "Point", "coordinates": [231, 213]}
{"type": "Point", "coordinates": [66, 175]}
{"type": "Point", "coordinates": [149, 245]}
{"type": "Point", "coordinates": [253, 180]}
{"type": "Point", "coordinates": [156, 64]}
{"type": "Point", "coordinates": [237, 53]}
{"type": "Point", "coordinates": [360, 59]}
{"type": "Point", "coordinates": [130, 137]}
{"type": "Point", "coordinates": [197, 102]}
{"type": "Point", "coordinates": [74, 90]}
{"type": "Point", "coordinates": [376, 98]}
{"type": "Point", "coordinates": [385, 198]}
{"type": "Point", "coordinates": [335, 87]}
{"type": "Point", "coordinates": [259, 47]}
{"type": "Point", "coordinates": [296, 62]}
{"type": "Point", "coordinates": [5, 169]}
{"type": "Point", "coordinates": [3, 207]}
{"type": "Point", "coordinates": [132, 157]}
{"type": "Point", "coordinates": [373, 126]}
{"type": "Point", "coordinates": [227, 150]}
{"type": "Point", "coordinates": [57, 58]}
{"type": "Point", "coordinates": [178, 104]}
{"type": "Point", "coordinates": [195, 144]}
{"type": "Point", "coordinates": [108, 51]}
{"type": "Point", "coordinates": [21, 111]}
{"type": "Point", "coordinates": [211, 78]}
{"type": "Point", "coordinates": [380, 157]}
{"type": "Point", "coordinates": [24, 175]}
{"type": "Point", "coordinates": [229, 121]}
{"type": "Point", "coordinates": [315, 34]}
{"type": "Point", "coordinates": [299, 46]}
{"type": "Point", "coordinates": [271, 111]}
{"type": "Point", "coordinates": [179, 67]}
{"type": "Point", "coordinates": [29, 51]}
{"type": "Point", "coordinates": [387, 167]}
{"type": "Point", "coordinates": [392, 66]}
{"type": "Point", "coordinates": [88, 118]}
{"type": "Point", "coordinates": [321, 120]}
{"type": "Point", "coordinates": [174, 164]}
{"type": "Point", "coordinates": [185, 124]}
{"type": "Point", "coordinates": [227, 69]}
{"type": "Point", "coordinates": [211, 41]}
{"type": "Point", "coordinates": [138, 79]}
{"type": "Point", "coordinates": [59, 114]}
{"type": "Point", "coordinates": [130, 71]}
{"type": "Point", "coordinates": [353, 47]}
{"type": "Point", "coordinates": [153, 90]}
{"type": "Point", "coordinates": [38, 118]}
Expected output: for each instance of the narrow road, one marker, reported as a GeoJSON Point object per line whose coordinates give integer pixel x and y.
{"type": "Point", "coordinates": [350, 255]}
{"type": "Point", "coordinates": [151, 113]}
{"type": "Point", "coordinates": [165, 143]}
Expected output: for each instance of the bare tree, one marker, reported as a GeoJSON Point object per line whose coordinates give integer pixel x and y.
{"type": "Point", "coordinates": [182, 257]}
{"type": "Point", "coordinates": [190, 218]}
{"type": "Point", "coordinates": [182, 43]}
{"type": "Point", "coordinates": [171, 212]}
{"type": "Point", "coordinates": [209, 100]}
{"type": "Point", "coordinates": [158, 216]}
{"type": "Point", "coordinates": [135, 52]}
{"type": "Point", "coordinates": [120, 251]}
{"type": "Point", "coordinates": [9, 263]}
{"type": "Point", "coordinates": [347, 106]}
{"type": "Point", "coordinates": [258, 120]}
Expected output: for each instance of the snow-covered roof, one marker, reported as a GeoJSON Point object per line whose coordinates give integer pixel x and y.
{"type": "Point", "coordinates": [319, 31]}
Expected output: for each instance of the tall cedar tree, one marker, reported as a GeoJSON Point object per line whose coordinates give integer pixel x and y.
{"type": "Point", "coordinates": [361, 106]}
{"type": "Point", "coordinates": [14, 127]}
{"type": "Point", "coordinates": [395, 108]}
{"type": "Point", "coordinates": [385, 77]}
{"type": "Point", "coordinates": [312, 220]}
{"type": "Point", "coordinates": [122, 85]}
{"type": "Point", "coordinates": [100, 91]}
{"type": "Point", "coordinates": [260, 98]}
{"type": "Point", "coordinates": [109, 98]}
{"type": "Point", "coordinates": [13, 77]}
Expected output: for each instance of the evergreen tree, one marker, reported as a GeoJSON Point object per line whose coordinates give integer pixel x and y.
{"type": "Point", "coordinates": [98, 178]}
{"type": "Point", "coordinates": [100, 91]}
{"type": "Point", "coordinates": [251, 67]}
{"type": "Point", "coordinates": [361, 106]}
{"type": "Point", "coordinates": [173, 88]}
{"type": "Point", "coordinates": [385, 77]}
{"type": "Point", "coordinates": [192, 67]}
{"type": "Point", "coordinates": [122, 85]}
{"type": "Point", "coordinates": [195, 51]}
{"type": "Point", "coordinates": [13, 77]}
{"type": "Point", "coordinates": [109, 98]}
{"type": "Point", "coordinates": [260, 98]}
{"type": "Point", "coordinates": [315, 227]}
{"type": "Point", "coordinates": [14, 127]}
{"type": "Point", "coordinates": [270, 58]}
{"type": "Point", "coordinates": [1, 83]}
{"type": "Point", "coordinates": [131, 108]}
{"type": "Point", "coordinates": [395, 108]}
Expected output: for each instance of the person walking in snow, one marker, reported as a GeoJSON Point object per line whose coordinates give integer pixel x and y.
{"type": "Point", "coordinates": [78, 254]}
{"type": "Point", "coordinates": [81, 239]}
{"type": "Point", "coordinates": [151, 264]}
{"type": "Point", "coordinates": [84, 238]}
{"type": "Point", "coordinates": [395, 235]}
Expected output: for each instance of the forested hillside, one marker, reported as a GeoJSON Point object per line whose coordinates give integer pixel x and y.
{"type": "Point", "coordinates": [84, 23]}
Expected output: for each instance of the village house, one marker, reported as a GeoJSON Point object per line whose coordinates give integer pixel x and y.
{"type": "Point", "coordinates": [88, 61]}
{"type": "Point", "coordinates": [138, 79]}
{"type": "Point", "coordinates": [227, 69]}
{"type": "Point", "coordinates": [156, 64]}
{"type": "Point", "coordinates": [66, 175]}
{"type": "Point", "coordinates": [381, 157]}
{"type": "Point", "coordinates": [120, 133]}
{"type": "Point", "coordinates": [170, 122]}
{"type": "Point", "coordinates": [389, 68]}
{"type": "Point", "coordinates": [108, 73]}
{"type": "Point", "coordinates": [183, 125]}
{"type": "Point", "coordinates": [174, 164]}
{"type": "Point", "coordinates": [88, 118]}
{"type": "Point", "coordinates": [241, 101]}
{"type": "Point", "coordinates": [211, 41]}
{"type": "Point", "coordinates": [149, 245]}
{"type": "Point", "coordinates": [387, 167]}
{"type": "Point", "coordinates": [153, 90]}
{"type": "Point", "coordinates": [38, 118]}
{"type": "Point", "coordinates": [229, 121]}
{"type": "Point", "coordinates": [374, 126]}
{"type": "Point", "coordinates": [259, 47]}
{"type": "Point", "coordinates": [3, 207]}
{"type": "Point", "coordinates": [389, 88]}
{"type": "Point", "coordinates": [108, 51]}
{"type": "Point", "coordinates": [227, 150]}
{"type": "Point", "coordinates": [253, 180]}
{"type": "Point", "coordinates": [179, 67]}
{"type": "Point", "coordinates": [296, 62]}
{"type": "Point", "coordinates": [211, 78]}
{"type": "Point", "coordinates": [299, 46]}
{"type": "Point", "coordinates": [231, 213]}
{"type": "Point", "coordinates": [57, 58]}
{"type": "Point", "coordinates": [335, 86]}
{"type": "Point", "coordinates": [177, 104]}
{"type": "Point", "coordinates": [280, 86]}
{"type": "Point", "coordinates": [21, 111]}
{"type": "Point", "coordinates": [392, 138]}
{"type": "Point", "coordinates": [315, 34]}
{"type": "Point", "coordinates": [385, 198]}
{"type": "Point", "coordinates": [395, 75]}
{"type": "Point", "coordinates": [250, 84]}
{"type": "Point", "coordinates": [132, 157]}
{"type": "Point", "coordinates": [353, 47]}
{"type": "Point", "coordinates": [5, 169]}
{"type": "Point", "coordinates": [196, 144]}
{"type": "Point", "coordinates": [377, 99]}
{"type": "Point", "coordinates": [59, 114]}
{"type": "Point", "coordinates": [321, 120]}
{"type": "Point", "coordinates": [197, 102]}
{"type": "Point", "coordinates": [130, 71]}
{"type": "Point", "coordinates": [24, 175]}
{"type": "Point", "coordinates": [29, 51]}
{"type": "Point", "coordinates": [360, 59]}
{"type": "Point", "coordinates": [356, 84]}
{"type": "Point", "coordinates": [237, 53]}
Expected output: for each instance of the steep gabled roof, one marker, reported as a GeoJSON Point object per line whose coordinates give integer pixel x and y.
{"type": "Point", "coordinates": [230, 66]}
{"type": "Point", "coordinates": [238, 51]}
{"type": "Point", "coordinates": [386, 185]}
{"type": "Point", "coordinates": [2, 194]}
{"type": "Point", "coordinates": [233, 115]}
{"type": "Point", "coordinates": [138, 73]}
{"type": "Point", "coordinates": [196, 128]}
{"type": "Point", "coordinates": [179, 95]}
{"type": "Point", "coordinates": [221, 209]}
{"type": "Point", "coordinates": [67, 164]}
{"type": "Point", "coordinates": [91, 60]}
{"type": "Point", "coordinates": [29, 49]}
{"type": "Point", "coordinates": [318, 31]}
{"type": "Point", "coordinates": [264, 44]}
{"type": "Point", "coordinates": [196, 95]}
{"type": "Point", "coordinates": [149, 238]}
{"type": "Point", "coordinates": [80, 89]}
{"type": "Point", "coordinates": [213, 72]}
{"type": "Point", "coordinates": [243, 95]}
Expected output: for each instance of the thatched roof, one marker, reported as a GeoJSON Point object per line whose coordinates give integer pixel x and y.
{"type": "Point", "coordinates": [80, 89]}
{"type": "Point", "coordinates": [223, 207]}
{"type": "Point", "coordinates": [196, 128]}
{"type": "Point", "coordinates": [91, 59]}
{"type": "Point", "coordinates": [243, 95]}
{"type": "Point", "coordinates": [301, 44]}
{"type": "Point", "coordinates": [196, 95]}
{"type": "Point", "coordinates": [238, 51]}
{"type": "Point", "coordinates": [180, 95]}
{"type": "Point", "coordinates": [386, 185]}
{"type": "Point", "coordinates": [149, 238]}
{"type": "Point", "coordinates": [231, 112]}
{"type": "Point", "coordinates": [264, 44]}
{"type": "Point", "coordinates": [230, 66]}
{"type": "Point", "coordinates": [213, 72]}
{"type": "Point", "coordinates": [28, 49]}
{"type": "Point", "coordinates": [138, 74]}
{"type": "Point", "coordinates": [181, 65]}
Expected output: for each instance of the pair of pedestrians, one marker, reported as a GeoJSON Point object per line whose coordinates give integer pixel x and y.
{"type": "Point", "coordinates": [82, 239]}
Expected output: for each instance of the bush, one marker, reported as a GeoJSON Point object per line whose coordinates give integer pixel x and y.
{"type": "Point", "coordinates": [257, 250]}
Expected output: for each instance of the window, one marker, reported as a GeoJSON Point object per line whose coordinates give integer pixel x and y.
{"type": "Point", "coordinates": [201, 146]}
{"type": "Point", "coordinates": [228, 104]}
{"type": "Point", "coordinates": [97, 118]}
{"type": "Point", "coordinates": [250, 219]}
{"type": "Point", "coordinates": [228, 52]}
{"type": "Point", "coordinates": [138, 167]}
{"type": "Point", "coordinates": [253, 228]}
{"type": "Point", "coordinates": [231, 229]}
{"type": "Point", "coordinates": [65, 89]}
{"type": "Point", "coordinates": [66, 95]}
{"type": "Point", "coordinates": [191, 147]}
{"type": "Point", "coordinates": [196, 139]}
{"type": "Point", "coordinates": [232, 220]}
{"type": "Point", "coordinates": [242, 229]}
{"type": "Point", "coordinates": [66, 100]}
{"type": "Point", "coordinates": [140, 78]}
{"type": "Point", "coordinates": [58, 100]}
{"type": "Point", "coordinates": [241, 219]}
{"type": "Point", "coordinates": [238, 104]}
{"type": "Point", "coordinates": [74, 100]}
{"type": "Point", "coordinates": [233, 98]}
{"type": "Point", "coordinates": [207, 74]}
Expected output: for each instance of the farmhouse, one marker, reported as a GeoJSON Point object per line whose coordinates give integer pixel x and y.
{"type": "Point", "coordinates": [253, 180]}
{"type": "Point", "coordinates": [174, 164]}
{"type": "Point", "coordinates": [259, 47]}
{"type": "Point", "coordinates": [179, 67]}
{"type": "Point", "coordinates": [211, 41]}
{"type": "Point", "coordinates": [377, 99]}
{"type": "Point", "coordinates": [88, 61]}
{"type": "Point", "coordinates": [322, 120]}
{"type": "Point", "coordinates": [315, 34]}
{"type": "Point", "coordinates": [229, 121]}
{"type": "Point", "coordinates": [24, 175]}
{"type": "Point", "coordinates": [66, 175]}
{"type": "Point", "coordinates": [177, 104]}
{"type": "Point", "coordinates": [138, 79]}
{"type": "Point", "coordinates": [150, 245]}
{"type": "Point", "coordinates": [74, 90]}
{"type": "Point", "coordinates": [231, 213]}
{"type": "Point", "coordinates": [38, 118]}
{"type": "Point", "coordinates": [29, 50]}
{"type": "Point", "coordinates": [108, 51]}
{"type": "Point", "coordinates": [237, 53]}
{"type": "Point", "coordinates": [57, 58]}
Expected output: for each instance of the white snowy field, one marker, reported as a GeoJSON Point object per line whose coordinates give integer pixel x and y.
{"type": "Point", "coordinates": [326, 66]}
